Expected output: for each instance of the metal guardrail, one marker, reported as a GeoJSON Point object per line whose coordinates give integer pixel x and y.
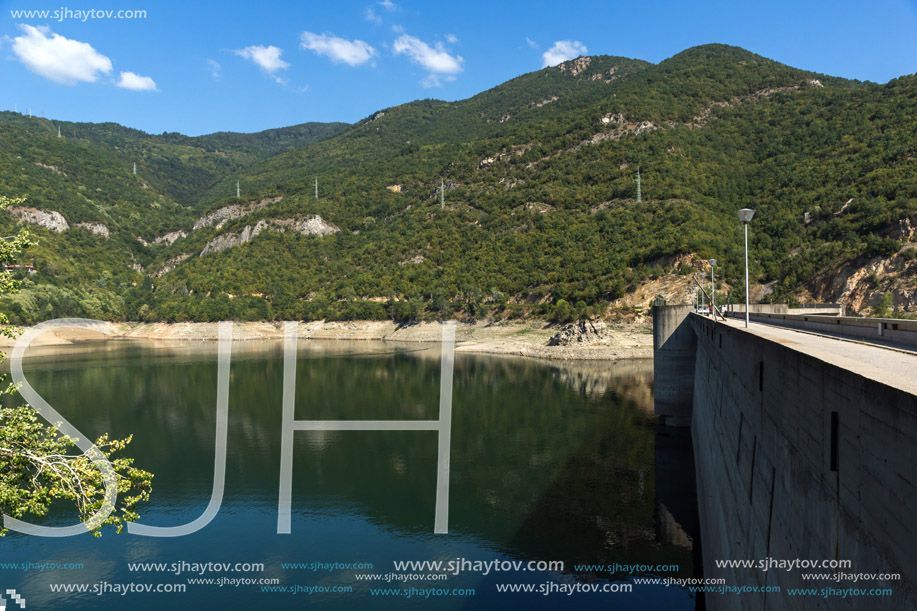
{"type": "Point", "coordinates": [890, 331]}
{"type": "Point", "coordinates": [716, 310]}
{"type": "Point", "coordinates": [814, 306]}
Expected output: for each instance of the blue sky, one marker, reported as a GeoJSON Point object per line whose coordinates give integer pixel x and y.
{"type": "Point", "coordinates": [247, 66]}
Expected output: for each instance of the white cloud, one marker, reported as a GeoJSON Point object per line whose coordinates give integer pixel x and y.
{"type": "Point", "coordinates": [531, 42]}
{"type": "Point", "coordinates": [451, 38]}
{"type": "Point", "coordinates": [562, 51]}
{"type": "Point", "coordinates": [216, 70]}
{"type": "Point", "coordinates": [387, 5]}
{"type": "Point", "coordinates": [431, 80]}
{"type": "Point", "coordinates": [372, 16]}
{"type": "Point", "coordinates": [57, 58]}
{"type": "Point", "coordinates": [435, 80]}
{"type": "Point", "coordinates": [267, 58]}
{"type": "Point", "coordinates": [437, 60]}
{"type": "Point", "coordinates": [351, 52]}
{"type": "Point", "coordinates": [135, 82]}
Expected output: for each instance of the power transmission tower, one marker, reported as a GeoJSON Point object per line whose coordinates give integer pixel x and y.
{"type": "Point", "coordinates": [639, 193]}
{"type": "Point", "coordinates": [316, 187]}
{"type": "Point", "coordinates": [135, 168]}
{"type": "Point", "coordinates": [442, 193]}
{"type": "Point", "coordinates": [238, 193]}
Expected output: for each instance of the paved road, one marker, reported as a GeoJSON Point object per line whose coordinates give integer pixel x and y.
{"type": "Point", "coordinates": [891, 367]}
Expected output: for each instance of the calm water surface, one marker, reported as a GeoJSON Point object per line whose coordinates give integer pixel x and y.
{"type": "Point", "coordinates": [549, 462]}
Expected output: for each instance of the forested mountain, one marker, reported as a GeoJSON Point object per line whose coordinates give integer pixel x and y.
{"type": "Point", "coordinates": [538, 215]}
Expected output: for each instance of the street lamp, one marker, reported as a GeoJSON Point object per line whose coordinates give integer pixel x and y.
{"type": "Point", "coordinates": [745, 215]}
{"type": "Point", "coordinates": [712, 263]}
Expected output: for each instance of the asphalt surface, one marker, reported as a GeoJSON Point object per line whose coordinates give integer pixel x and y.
{"type": "Point", "coordinates": [894, 367]}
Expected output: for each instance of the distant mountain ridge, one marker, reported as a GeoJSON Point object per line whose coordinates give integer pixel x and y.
{"type": "Point", "coordinates": [540, 214]}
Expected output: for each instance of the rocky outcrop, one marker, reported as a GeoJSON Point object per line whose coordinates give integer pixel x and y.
{"type": "Point", "coordinates": [606, 76]}
{"type": "Point", "coordinates": [49, 219]}
{"type": "Point", "coordinates": [229, 240]}
{"type": "Point", "coordinates": [221, 215]}
{"type": "Point", "coordinates": [313, 225]}
{"type": "Point", "coordinates": [575, 66]}
{"type": "Point", "coordinates": [415, 260]}
{"type": "Point", "coordinates": [646, 126]}
{"type": "Point", "coordinates": [616, 127]}
{"type": "Point", "coordinates": [616, 118]}
{"type": "Point", "coordinates": [169, 265]}
{"type": "Point", "coordinates": [96, 228]}
{"type": "Point", "coordinates": [543, 102]}
{"type": "Point", "coordinates": [582, 332]}
{"type": "Point", "coordinates": [861, 285]}
{"type": "Point", "coordinates": [170, 237]}
{"type": "Point", "coordinates": [701, 118]}
{"type": "Point", "coordinates": [53, 168]}
{"type": "Point", "coordinates": [504, 153]}
{"type": "Point", "coordinates": [539, 207]}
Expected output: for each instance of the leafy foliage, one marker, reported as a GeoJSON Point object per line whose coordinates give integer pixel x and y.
{"type": "Point", "coordinates": [540, 197]}
{"type": "Point", "coordinates": [37, 466]}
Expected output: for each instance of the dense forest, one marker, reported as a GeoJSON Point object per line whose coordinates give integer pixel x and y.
{"type": "Point", "coordinates": [520, 201]}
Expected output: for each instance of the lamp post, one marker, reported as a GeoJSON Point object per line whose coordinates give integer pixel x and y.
{"type": "Point", "coordinates": [745, 215]}
{"type": "Point", "coordinates": [712, 263]}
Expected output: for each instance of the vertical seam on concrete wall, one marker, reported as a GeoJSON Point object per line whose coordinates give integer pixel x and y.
{"type": "Point", "coordinates": [770, 510]}
{"type": "Point", "coordinates": [739, 448]}
{"type": "Point", "coordinates": [770, 519]}
{"type": "Point", "coordinates": [754, 455]}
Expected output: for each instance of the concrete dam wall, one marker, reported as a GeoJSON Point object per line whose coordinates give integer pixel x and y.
{"type": "Point", "coordinates": [796, 458]}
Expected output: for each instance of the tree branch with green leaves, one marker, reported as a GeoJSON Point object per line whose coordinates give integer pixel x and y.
{"type": "Point", "coordinates": [38, 465]}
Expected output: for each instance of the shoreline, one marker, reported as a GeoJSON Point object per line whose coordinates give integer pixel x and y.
{"type": "Point", "coordinates": [527, 339]}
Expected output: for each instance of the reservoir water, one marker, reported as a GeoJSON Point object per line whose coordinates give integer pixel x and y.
{"type": "Point", "coordinates": [550, 462]}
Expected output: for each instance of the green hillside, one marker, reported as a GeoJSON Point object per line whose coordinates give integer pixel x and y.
{"type": "Point", "coordinates": [84, 172]}
{"type": "Point", "coordinates": [184, 167]}
{"type": "Point", "coordinates": [540, 212]}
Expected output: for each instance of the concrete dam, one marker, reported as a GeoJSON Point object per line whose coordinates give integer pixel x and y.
{"type": "Point", "coordinates": [804, 434]}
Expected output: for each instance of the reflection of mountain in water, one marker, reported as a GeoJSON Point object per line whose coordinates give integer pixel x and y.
{"type": "Point", "coordinates": [632, 380]}
{"type": "Point", "coordinates": [550, 461]}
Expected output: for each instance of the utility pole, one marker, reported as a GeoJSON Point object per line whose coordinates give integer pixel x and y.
{"type": "Point", "coordinates": [639, 194]}
{"type": "Point", "coordinates": [442, 193]}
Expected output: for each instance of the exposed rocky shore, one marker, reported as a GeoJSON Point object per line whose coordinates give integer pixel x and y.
{"type": "Point", "coordinates": [530, 339]}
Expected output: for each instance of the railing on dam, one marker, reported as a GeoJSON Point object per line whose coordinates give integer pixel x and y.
{"type": "Point", "coordinates": [890, 331]}
{"type": "Point", "coordinates": [831, 309]}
